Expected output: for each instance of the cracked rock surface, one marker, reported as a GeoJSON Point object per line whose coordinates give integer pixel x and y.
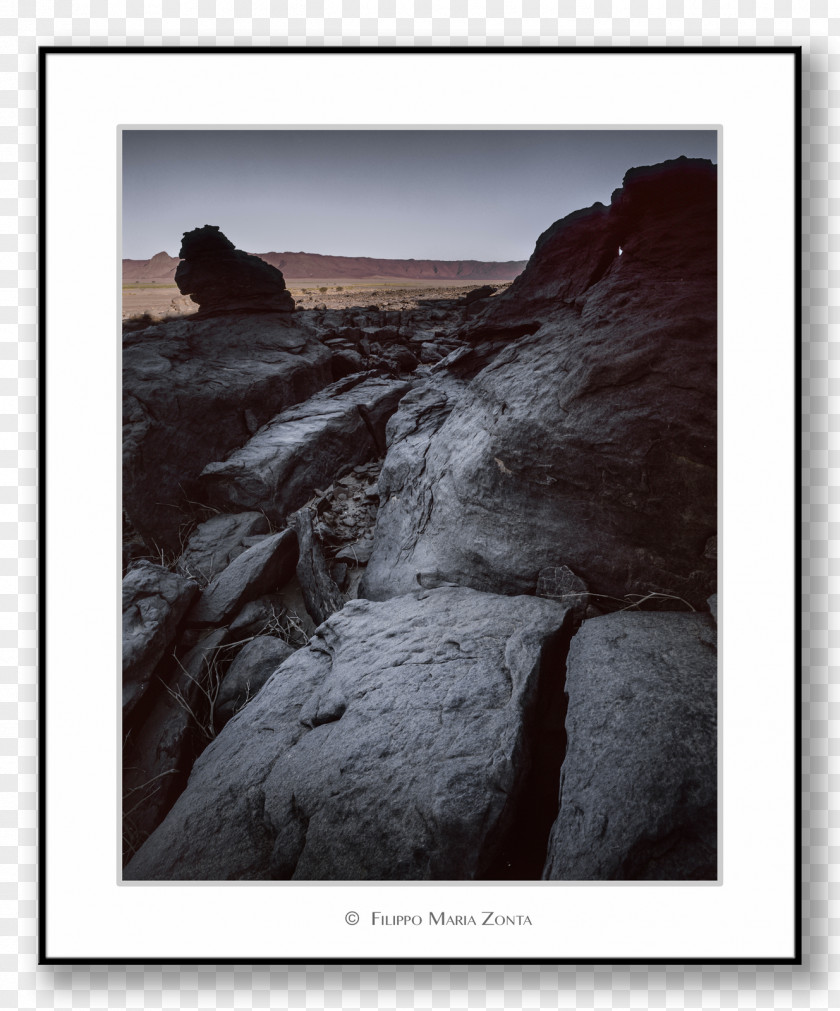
{"type": "Point", "coordinates": [393, 747]}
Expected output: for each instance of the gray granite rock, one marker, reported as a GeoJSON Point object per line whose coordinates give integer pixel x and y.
{"type": "Point", "coordinates": [253, 666]}
{"type": "Point", "coordinates": [192, 392]}
{"type": "Point", "coordinates": [256, 615]}
{"type": "Point", "coordinates": [638, 787]}
{"type": "Point", "coordinates": [266, 566]}
{"type": "Point", "coordinates": [154, 600]}
{"type": "Point", "coordinates": [406, 498]}
{"type": "Point", "coordinates": [305, 448]}
{"type": "Point", "coordinates": [395, 746]}
{"type": "Point", "coordinates": [214, 544]}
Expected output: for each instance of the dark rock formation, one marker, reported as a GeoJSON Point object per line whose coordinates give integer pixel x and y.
{"type": "Point", "coordinates": [214, 544]}
{"type": "Point", "coordinates": [220, 278]}
{"type": "Point", "coordinates": [257, 615]}
{"type": "Point", "coordinates": [305, 447]}
{"type": "Point", "coordinates": [161, 747]}
{"type": "Point", "coordinates": [638, 787]}
{"type": "Point", "coordinates": [322, 596]}
{"type": "Point", "coordinates": [590, 441]}
{"type": "Point", "coordinates": [254, 665]}
{"type": "Point", "coordinates": [393, 747]}
{"type": "Point", "coordinates": [345, 362]}
{"type": "Point", "coordinates": [478, 294]}
{"type": "Point", "coordinates": [558, 582]}
{"type": "Point", "coordinates": [188, 389]}
{"type": "Point", "coordinates": [154, 601]}
{"type": "Point", "coordinates": [265, 566]}
{"type": "Point", "coordinates": [558, 441]}
{"type": "Point", "coordinates": [406, 497]}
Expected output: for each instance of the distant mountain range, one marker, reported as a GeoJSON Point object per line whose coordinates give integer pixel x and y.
{"type": "Point", "coordinates": [302, 266]}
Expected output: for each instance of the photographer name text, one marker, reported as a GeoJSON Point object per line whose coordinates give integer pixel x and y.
{"type": "Point", "coordinates": [484, 918]}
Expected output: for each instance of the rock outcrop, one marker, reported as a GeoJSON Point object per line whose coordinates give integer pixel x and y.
{"type": "Point", "coordinates": [394, 747]}
{"type": "Point", "coordinates": [406, 496]}
{"type": "Point", "coordinates": [154, 601]}
{"type": "Point", "coordinates": [464, 488]}
{"type": "Point", "coordinates": [591, 440]}
{"type": "Point", "coordinates": [265, 566]}
{"type": "Point", "coordinates": [220, 278]}
{"type": "Point", "coordinates": [214, 544]}
{"type": "Point", "coordinates": [161, 746]}
{"type": "Point", "coordinates": [305, 447]}
{"type": "Point", "coordinates": [192, 392]}
{"type": "Point", "coordinates": [638, 787]}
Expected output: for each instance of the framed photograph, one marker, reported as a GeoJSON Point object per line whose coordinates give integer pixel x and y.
{"type": "Point", "coordinates": [438, 600]}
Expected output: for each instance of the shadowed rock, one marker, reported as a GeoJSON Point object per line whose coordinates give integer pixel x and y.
{"type": "Point", "coordinates": [214, 544]}
{"type": "Point", "coordinates": [220, 278]}
{"type": "Point", "coordinates": [589, 442]}
{"type": "Point", "coordinates": [321, 594]}
{"type": "Point", "coordinates": [265, 566]}
{"type": "Point", "coordinates": [477, 294]}
{"type": "Point", "coordinates": [153, 601]}
{"type": "Point", "coordinates": [558, 582]}
{"type": "Point", "coordinates": [305, 447]}
{"type": "Point", "coordinates": [254, 665]}
{"type": "Point", "coordinates": [160, 749]}
{"type": "Point", "coordinates": [638, 787]}
{"type": "Point", "coordinates": [192, 392]}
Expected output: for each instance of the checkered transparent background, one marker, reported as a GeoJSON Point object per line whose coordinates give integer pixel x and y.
{"type": "Point", "coordinates": [388, 23]}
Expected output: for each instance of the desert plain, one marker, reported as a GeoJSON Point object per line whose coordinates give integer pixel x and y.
{"type": "Point", "coordinates": [165, 300]}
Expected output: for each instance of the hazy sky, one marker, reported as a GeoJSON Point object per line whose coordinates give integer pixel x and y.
{"type": "Point", "coordinates": [426, 194]}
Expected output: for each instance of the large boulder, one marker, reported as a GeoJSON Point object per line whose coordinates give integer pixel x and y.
{"type": "Point", "coordinates": [192, 392]}
{"type": "Point", "coordinates": [305, 447]}
{"type": "Point", "coordinates": [638, 786]}
{"type": "Point", "coordinates": [395, 746]}
{"type": "Point", "coordinates": [590, 441]}
{"type": "Point", "coordinates": [220, 278]}
{"type": "Point", "coordinates": [154, 600]}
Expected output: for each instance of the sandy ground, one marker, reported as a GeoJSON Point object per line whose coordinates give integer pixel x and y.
{"type": "Point", "coordinates": [334, 293]}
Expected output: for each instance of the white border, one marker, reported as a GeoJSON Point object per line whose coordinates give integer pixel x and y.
{"type": "Point", "coordinates": [750, 915]}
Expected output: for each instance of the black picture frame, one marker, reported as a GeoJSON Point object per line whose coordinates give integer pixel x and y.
{"type": "Point", "coordinates": [57, 894]}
